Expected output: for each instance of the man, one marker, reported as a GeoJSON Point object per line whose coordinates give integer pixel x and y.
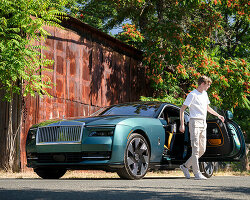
{"type": "Point", "coordinates": [198, 104]}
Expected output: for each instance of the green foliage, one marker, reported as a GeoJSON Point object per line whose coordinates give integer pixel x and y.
{"type": "Point", "coordinates": [231, 39]}
{"type": "Point", "coordinates": [130, 35]}
{"type": "Point", "coordinates": [21, 31]}
{"type": "Point", "coordinates": [96, 13]}
{"type": "Point", "coordinates": [169, 99]}
{"type": "Point", "coordinates": [182, 40]}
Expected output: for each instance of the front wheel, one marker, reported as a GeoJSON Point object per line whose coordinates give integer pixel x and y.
{"type": "Point", "coordinates": [50, 173]}
{"type": "Point", "coordinates": [136, 158]}
{"type": "Point", "coordinates": [207, 168]}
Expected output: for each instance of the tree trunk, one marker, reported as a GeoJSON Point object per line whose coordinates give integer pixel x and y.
{"type": "Point", "coordinates": [10, 127]}
{"type": "Point", "coordinates": [245, 161]}
{"type": "Point", "coordinates": [9, 140]}
{"type": "Point", "coordinates": [3, 128]}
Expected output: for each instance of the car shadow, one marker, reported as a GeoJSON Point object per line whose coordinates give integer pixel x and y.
{"type": "Point", "coordinates": [147, 178]}
{"type": "Point", "coordinates": [105, 178]}
{"type": "Point", "coordinates": [164, 177]}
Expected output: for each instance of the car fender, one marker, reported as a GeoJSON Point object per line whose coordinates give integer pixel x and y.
{"type": "Point", "coordinates": [150, 128]}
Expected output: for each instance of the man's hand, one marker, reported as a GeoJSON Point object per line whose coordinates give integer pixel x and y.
{"type": "Point", "coordinates": [209, 109]}
{"type": "Point", "coordinates": [182, 128]}
{"type": "Point", "coordinates": [221, 118]}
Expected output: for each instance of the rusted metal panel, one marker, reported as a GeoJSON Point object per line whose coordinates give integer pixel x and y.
{"type": "Point", "coordinates": [90, 70]}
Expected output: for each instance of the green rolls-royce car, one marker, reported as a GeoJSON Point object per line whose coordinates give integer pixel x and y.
{"type": "Point", "coordinates": [130, 139]}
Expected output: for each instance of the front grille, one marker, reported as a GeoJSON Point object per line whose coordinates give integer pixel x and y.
{"type": "Point", "coordinates": [59, 134]}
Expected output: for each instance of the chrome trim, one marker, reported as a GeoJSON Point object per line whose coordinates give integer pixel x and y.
{"type": "Point", "coordinates": [100, 157]}
{"type": "Point", "coordinates": [99, 126]}
{"type": "Point", "coordinates": [173, 106]}
{"type": "Point", "coordinates": [35, 158]}
{"type": "Point", "coordinates": [55, 143]}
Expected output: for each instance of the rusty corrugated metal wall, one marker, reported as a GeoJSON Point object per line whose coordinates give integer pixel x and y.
{"type": "Point", "coordinates": [91, 70]}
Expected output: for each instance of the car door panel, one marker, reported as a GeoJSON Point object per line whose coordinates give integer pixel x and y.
{"type": "Point", "coordinates": [238, 140]}
{"type": "Point", "coordinates": [219, 142]}
{"type": "Point", "coordinates": [225, 141]}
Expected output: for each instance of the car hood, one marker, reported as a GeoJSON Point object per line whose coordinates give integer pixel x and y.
{"type": "Point", "coordinates": [88, 121]}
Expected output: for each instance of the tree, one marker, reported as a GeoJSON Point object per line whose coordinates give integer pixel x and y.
{"type": "Point", "coordinates": [182, 39]}
{"type": "Point", "coordinates": [231, 40]}
{"type": "Point", "coordinates": [21, 63]}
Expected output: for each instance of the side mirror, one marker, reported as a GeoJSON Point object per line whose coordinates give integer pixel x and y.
{"type": "Point", "coordinates": [229, 115]}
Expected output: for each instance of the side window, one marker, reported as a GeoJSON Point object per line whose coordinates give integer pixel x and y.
{"type": "Point", "coordinates": [214, 134]}
{"type": "Point", "coordinates": [172, 115]}
{"type": "Point", "coordinates": [162, 116]}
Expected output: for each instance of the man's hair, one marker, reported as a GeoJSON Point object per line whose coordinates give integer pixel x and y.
{"type": "Point", "coordinates": [204, 79]}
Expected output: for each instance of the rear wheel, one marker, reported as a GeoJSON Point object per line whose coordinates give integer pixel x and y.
{"type": "Point", "coordinates": [136, 158]}
{"type": "Point", "coordinates": [207, 168]}
{"type": "Point", "coordinates": [50, 173]}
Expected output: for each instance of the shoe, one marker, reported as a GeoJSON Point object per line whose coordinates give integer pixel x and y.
{"type": "Point", "coordinates": [199, 176]}
{"type": "Point", "coordinates": [185, 171]}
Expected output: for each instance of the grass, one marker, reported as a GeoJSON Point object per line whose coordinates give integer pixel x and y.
{"type": "Point", "coordinates": [78, 174]}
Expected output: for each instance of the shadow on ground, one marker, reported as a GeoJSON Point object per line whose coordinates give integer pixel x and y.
{"type": "Point", "coordinates": [122, 193]}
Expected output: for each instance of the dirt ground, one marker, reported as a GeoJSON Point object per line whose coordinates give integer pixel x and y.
{"type": "Point", "coordinates": [102, 174]}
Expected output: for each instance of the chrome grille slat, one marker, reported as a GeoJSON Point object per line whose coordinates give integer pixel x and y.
{"type": "Point", "coordinates": [71, 131]}
{"type": "Point", "coordinates": [59, 134]}
{"type": "Point", "coordinates": [46, 135]}
{"type": "Point", "coordinates": [72, 135]}
{"type": "Point", "coordinates": [53, 135]}
{"type": "Point", "coordinates": [69, 134]}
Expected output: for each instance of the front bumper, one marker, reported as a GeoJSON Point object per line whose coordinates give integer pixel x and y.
{"type": "Point", "coordinates": [91, 152]}
{"type": "Point", "coordinates": [77, 161]}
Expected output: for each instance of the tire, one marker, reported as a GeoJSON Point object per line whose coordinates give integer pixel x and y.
{"type": "Point", "coordinates": [207, 169]}
{"type": "Point", "coordinates": [50, 173]}
{"type": "Point", "coordinates": [136, 158]}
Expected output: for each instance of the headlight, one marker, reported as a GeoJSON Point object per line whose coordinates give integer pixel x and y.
{"type": "Point", "coordinates": [101, 133]}
{"type": "Point", "coordinates": [32, 134]}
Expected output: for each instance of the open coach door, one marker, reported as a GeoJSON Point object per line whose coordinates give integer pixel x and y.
{"type": "Point", "coordinates": [225, 141]}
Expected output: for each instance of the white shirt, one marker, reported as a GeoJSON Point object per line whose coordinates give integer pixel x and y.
{"type": "Point", "coordinates": [197, 103]}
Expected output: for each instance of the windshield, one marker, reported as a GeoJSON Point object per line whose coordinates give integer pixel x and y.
{"type": "Point", "coordinates": [147, 110]}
